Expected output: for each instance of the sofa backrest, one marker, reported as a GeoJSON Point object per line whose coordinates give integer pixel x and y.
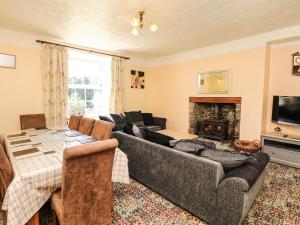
{"type": "Point", "coordinates": [209, 171]}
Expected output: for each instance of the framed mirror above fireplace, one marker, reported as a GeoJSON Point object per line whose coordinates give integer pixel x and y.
{"type": "Point", "coordinates": [214, 82]}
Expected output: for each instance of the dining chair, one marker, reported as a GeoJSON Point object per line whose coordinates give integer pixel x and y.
{"type": "Point", "coordinates": [102, 130]}
{"type": "Point", "coordinates": [86, 190]}
{"type": "Point", "coordinates": [37, 121]}
{"type": "Point", "coordinates": [74, 122]}
{"type": "Point", "coordinates": [86, 125]}
{"type": "Point", "coordinates": [6, 176]}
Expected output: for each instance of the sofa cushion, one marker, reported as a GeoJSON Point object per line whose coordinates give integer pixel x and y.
{"type": "Point", "coordinates": [119, 120]}
{"type": "Point", "coordinates": [135, 117]}
{"type": "Point", "coordinates": [127, 128]}
{"type": "Point", "coordinates": [251, 170]}
{"type": "Point", "coordinates": [148, 119]}
{"type": "Point", "coordinates": [157, 138]}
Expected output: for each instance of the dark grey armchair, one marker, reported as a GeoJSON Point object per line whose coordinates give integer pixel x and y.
{"type": "Point", "coordinates": [140, 119]}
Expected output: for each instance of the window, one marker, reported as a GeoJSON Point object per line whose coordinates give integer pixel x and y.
{"type": "Point", "coordinates": [89, 84]}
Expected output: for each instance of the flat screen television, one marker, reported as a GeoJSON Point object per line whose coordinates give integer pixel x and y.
{"type": "Point", "coordinates": [286, 110]}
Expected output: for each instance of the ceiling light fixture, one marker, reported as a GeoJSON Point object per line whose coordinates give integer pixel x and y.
{"type": "Point", "coordinates": [137, 24]}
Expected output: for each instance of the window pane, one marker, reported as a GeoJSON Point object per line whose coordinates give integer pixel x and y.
{"type": "Point", "coordinates": [72, 80]}
{"type": "Point", "coordinates": [78, 80]}
{"type": "Point", "coordinates": [80, 94]}
{"type": "Point", "coordinates": [89, 105]}
{"type": "Point", "coordinates": [86, 80]}
{"type": "Point", "coordinates": [71, 92]}
{"type": "Point", "coordinates": [89, 94]}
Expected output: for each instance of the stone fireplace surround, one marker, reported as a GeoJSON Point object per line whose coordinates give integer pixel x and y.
{"type": "Point", "coordinates": [222, 108]}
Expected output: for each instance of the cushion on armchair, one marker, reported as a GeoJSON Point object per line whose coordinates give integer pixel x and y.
{"type": "Point", "coordinates": [135, 117]}
{"type": "Point", "coordinates": [157, 137]}
{"type": "Point", "coordinates": [119, 120]}
{"type": "Point", "coordinates": [148, 119]}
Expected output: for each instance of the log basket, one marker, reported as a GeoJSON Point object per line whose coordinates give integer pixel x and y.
{"type": "Point", "coordinates": [247, 146]}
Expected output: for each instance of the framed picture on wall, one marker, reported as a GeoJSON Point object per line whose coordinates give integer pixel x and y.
{"type": "Point", "coordinates": [296, 64]}
{"type": "Point", "coordinates": [7, 61]}
{"type": "Point", "coordinates": [137, 79]}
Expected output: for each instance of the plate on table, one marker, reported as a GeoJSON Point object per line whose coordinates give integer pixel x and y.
{"type": "Point", "coordinates": [72, 133]}
{"type": "Point", "coordinates": [87, 140]}
{"type": "Point", "coordinates": [63, 129]}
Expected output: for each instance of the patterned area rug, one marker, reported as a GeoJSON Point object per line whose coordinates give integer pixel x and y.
{"type": "Point", "coordinates": [278, 203]}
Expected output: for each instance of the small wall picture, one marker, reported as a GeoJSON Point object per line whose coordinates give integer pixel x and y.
{"type": "Point", "coordinates": [7, 61]}
{"type": "Point", "coordinates": [137, 79]}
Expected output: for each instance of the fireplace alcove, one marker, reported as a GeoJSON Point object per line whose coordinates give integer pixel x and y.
{"type": "Point", "coordinates": [215, 117]}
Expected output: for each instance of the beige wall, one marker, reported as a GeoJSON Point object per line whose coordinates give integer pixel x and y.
{"type": "Point", "coordinates": [282, 82]}
{"type": "Point", "coordinates": [172, 85]}
{"type": "Point", "coordinates": [20, 88]}
{"type": "Point", "coordinates": [135, 99]}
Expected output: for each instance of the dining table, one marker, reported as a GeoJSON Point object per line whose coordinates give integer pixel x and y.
{"type": "Point", "coordinates": [36, 158]}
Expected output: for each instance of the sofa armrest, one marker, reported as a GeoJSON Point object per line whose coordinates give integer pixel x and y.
{"type": "Point", "coordinates": [158, 121]}
{"type": "Point", "coordinates": [230, 200]}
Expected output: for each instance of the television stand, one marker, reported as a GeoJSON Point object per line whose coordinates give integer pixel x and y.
{"type": "Point", "coordinates": [283, 149]}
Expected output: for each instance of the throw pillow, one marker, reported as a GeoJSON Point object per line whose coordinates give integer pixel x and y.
{"type": "Point", "coordinates": [137, 131]}
{"type": "Point", "coordinates": [106, 118]}
{"type": "Point", "coordinates": [119, 120]}
{"type": "Point", "coordinates": [228, 159]}
{"type": "Point", "coordinates": [148, 119]}
{"type": "Point", "coordinates": [128, 128]}
{"type": "Point", "coordinates": [135, 117]}
{"type": "Point", "coordinates": [157, 138]}
{"type": "Point", "coordinates": [189, 146]}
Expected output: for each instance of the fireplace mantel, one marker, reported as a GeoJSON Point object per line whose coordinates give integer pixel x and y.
{"type": "Point", "coordinates": [233, 100]}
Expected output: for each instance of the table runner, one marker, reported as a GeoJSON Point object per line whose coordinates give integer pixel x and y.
{"type": "Point", "coordinates": [38, 176]}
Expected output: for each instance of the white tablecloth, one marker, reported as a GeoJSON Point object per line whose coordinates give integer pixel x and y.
{"type": "Point", "coordinates": [38, 176]}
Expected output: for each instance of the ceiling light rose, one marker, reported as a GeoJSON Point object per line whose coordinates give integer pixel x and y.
{"type": "Point", "coordinates": [137, 23]}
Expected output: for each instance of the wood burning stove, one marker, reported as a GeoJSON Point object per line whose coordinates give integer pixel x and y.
{"type": "Point", "coordinates": [213, 129]}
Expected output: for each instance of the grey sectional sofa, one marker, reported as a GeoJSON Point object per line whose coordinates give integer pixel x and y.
{"type": "Point", "coordinates": [193, 183]}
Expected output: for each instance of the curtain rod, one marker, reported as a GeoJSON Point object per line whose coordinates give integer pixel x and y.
{"type": "Point", "coordinates": [82, 49]}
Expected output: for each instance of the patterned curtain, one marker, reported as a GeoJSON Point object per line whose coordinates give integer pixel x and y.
{"type": "Point", "coordinates": [116, 102]}
{"type": "Point", "coordinates": [55, 84]}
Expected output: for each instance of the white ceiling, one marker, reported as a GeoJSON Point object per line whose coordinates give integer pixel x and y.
{"type": "Point", "coordinates": [184, 24]}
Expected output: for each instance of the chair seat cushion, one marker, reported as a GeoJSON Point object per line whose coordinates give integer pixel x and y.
{"type": "Point", "coordinates": [56, 204]}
